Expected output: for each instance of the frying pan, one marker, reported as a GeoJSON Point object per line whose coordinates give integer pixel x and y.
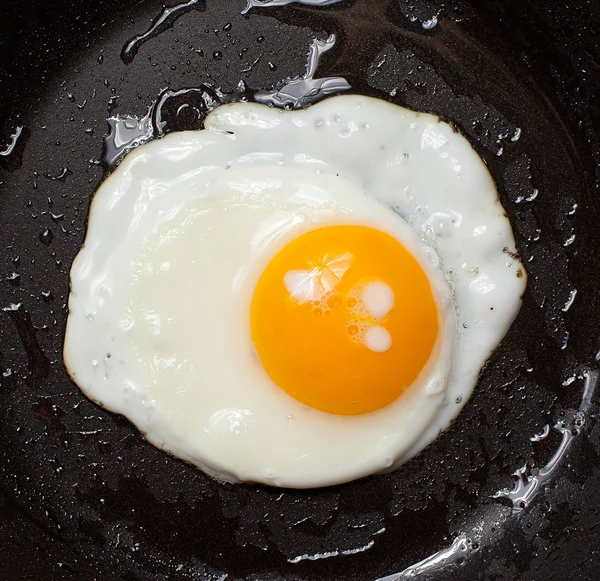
{"type": "Point", "coordinates": [509, 491]}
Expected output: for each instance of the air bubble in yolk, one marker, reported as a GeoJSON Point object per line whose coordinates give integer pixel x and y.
{"type": "Point", "coordinates": [343, 319]}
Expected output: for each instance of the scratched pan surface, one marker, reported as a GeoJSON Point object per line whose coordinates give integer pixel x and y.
{"type": "Point", "coordinates": [84, 497]}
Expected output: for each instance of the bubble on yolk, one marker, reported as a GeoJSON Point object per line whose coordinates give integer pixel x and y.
{"type": "Point", "coordinates": [343, 319]}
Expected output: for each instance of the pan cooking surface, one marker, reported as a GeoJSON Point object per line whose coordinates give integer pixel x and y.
{"type": "Point", "coordinates": [85, 497]}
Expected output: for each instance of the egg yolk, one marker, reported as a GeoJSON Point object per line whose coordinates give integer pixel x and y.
{"type": "Point", "coordinates": [343, 319]}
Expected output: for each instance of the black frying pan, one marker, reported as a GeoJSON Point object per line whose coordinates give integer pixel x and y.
{"type": "Point", "coordinates": [85, 497]}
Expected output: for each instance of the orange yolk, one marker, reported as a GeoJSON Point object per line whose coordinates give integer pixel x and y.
{"type": "Point", "coordinates": [343, 319]}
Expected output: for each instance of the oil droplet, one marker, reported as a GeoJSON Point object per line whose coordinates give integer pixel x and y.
{"type": "Point", "coordinates": [14, 278]}
{"type": "Point", "coordinates": [165, 20]}
{"type": "Point", "coordinates": [429, 24]}
{"type": "Point", "coordinates": [60, 177]}
{"type": "Point", "coordinates": [46, 237]}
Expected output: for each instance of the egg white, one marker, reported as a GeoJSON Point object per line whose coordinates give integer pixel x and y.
{"type": "Point", "coordinates": [158, 326]}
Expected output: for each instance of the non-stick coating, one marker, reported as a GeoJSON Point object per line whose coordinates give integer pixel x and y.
{"type": "Point", "coordinates": [85, 497]}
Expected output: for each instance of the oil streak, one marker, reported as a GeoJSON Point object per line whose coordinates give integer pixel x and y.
{"type": "Point", "coordinates": [305, 90]}
{"type": "Point", "coordinates": [328, 554]}
{"type": "Point", "coordinates": [165, 20]}
{"type": "Point", "coordinates": [182, 110]}
{"type": "Point", "coordinates": [269, 3]}
{"type": "Point", "coordinates": [526, 488]}
{"type": "Point", "coordinates": [125, 132]}
{"type": "Point", "coordinates": [14, 138]}
{"type": "Point", "coordinates": [11, 156]}
{"type": "Point", "coordinates": [437, 562]}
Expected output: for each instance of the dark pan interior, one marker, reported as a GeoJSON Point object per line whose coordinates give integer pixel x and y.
{"type": "Point", "coordinates": [83, 496]}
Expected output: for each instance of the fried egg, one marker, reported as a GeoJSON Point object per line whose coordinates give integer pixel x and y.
{"type": "Point", "coordinates": [297, 298]}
